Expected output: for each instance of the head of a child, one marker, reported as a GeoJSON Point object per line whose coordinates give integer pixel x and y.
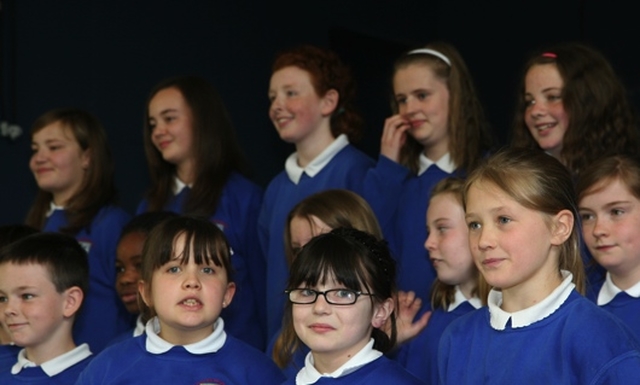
{"type": "Point", "coordinates": [609, 194]}
{"type": "Point", "coordinates": [129, 256]}
{"type": "Point", "coordinates": [71, 158]}
{"type": "Point", "coordinates": [520, 208]}
{"type": "Point", "coordinates": [572, 104]}
{"type": "Point", "coordinates": [187, 125]}
{"type": "Point", "coordinates": [43, 281]}
{"type": "Point", "coordinates": [434, 92]}
{"type": "Point", "coordinates": [321, 212]}
{"type": "Point", "coordinates": [186, 277]}
{"type": "Point", "coordinates": [448, 243]}
{"type": "Point", "coordinates": [340, 292]}
{"type": "Point", "coordinates": [323, 86]}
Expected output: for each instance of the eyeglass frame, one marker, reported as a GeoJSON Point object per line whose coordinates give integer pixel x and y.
{"type": "Point", "coordinates": [324, 294]}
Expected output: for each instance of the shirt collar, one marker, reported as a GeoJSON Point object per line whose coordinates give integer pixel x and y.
{"type": "Point", "coordinates": [178, 185]}
{"type": "Point", "coordinates": [459, 299]}
{"type": "Point", "coordinates": [139, 329]}
{"type": "Point", "coordinates": [211, 344]}
{"type": "Point", "coordinates": [53, 207]}
{"type": "Point", "coordinates": [310, 375]}
{"type": "Point", "coordinates": [294, 171]}
{"type": "Point", "coordinates": [56, 365]}
{"type": "Point", "coordinates": [535, 313]}
{"type": "Point", "coordinates": [609, 290]}
{"type": "Point", "coordinates": [444, 163]}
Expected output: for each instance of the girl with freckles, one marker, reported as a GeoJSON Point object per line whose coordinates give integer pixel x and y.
{"type": "Point", "coordinates": [186, 282]}
{"type": "Point", "coordinates": [340, 294]}
{"type": "Point", "coordinates": [521, 211]}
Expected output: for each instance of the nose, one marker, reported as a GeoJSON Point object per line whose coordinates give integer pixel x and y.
{"type": "Point", "coordinates": [430, 242]}
{"type": "Point", "coordinates": [191, 281]}
{"type": "Point", "coordinates": [321, 306]}
{"type": "Point", "coordinates": [129, 276]}
{"type": "Point", "coordinates": [276, 105]}
{"type": "Point", "coordinates": [410, 106]}
{"type": "Point", "coordinates": [537, 108]}
{"type": "Point", "coordinates": [483, 238]}
{"type": "Point", "coordinates": [38, 156]}
{"type": "Point", "coordinates": [600, 228]}
{"type": "Point", "coordinates": [8, 308]}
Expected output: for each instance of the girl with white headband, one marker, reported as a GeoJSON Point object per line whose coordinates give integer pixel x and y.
{"type": "Point", "coordinates": [437, 130]}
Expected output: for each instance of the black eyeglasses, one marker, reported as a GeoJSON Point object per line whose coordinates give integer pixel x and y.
{"type": "Point", "coordinates": [333, 296]}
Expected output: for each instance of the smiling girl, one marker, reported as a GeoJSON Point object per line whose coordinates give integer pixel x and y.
{"type": "Point", "coordinates": [311, 93]}
{"type": "Point", "coordinates": [537, 329]}
{"type": "Point", "coordinates": [72, 166]}
{"type": "Point", "coordinates": [572, 105]}
{"type": "Point", "coordinates": [438, 130]}
{"type": "Point", "coordinates": [340, 295]}
{"type": "Point", "coordinates": [186, 282]}
{"type": "Point", "coordinates": [196, 168]}
{"type": "Point", "coordinates": [609, 196]}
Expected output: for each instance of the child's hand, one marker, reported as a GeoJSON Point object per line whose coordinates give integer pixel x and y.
{"type": "Point", "coordinates": [393, 137]}
{"type": "Point", "coordinates": [408, 307]}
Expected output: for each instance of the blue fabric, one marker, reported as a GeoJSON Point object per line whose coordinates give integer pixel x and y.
{"type": "Point", "coordinates": [35, 375]}
{"type": "Point", "coordinates": [420, 355]}
{"type": "Point", "coordinates": [129, 363]}
{"type": "Point", "coordinates": [346, 170]}
{"type": "Point", "coordinates": [382, 371]}
{"type": "Point", "coordinates": [103, 316]}
{"type": "Point", "coordinates": [236, 215]}
{"type": "Point", "coordinates": [8, 357]}
{"type": "Point", "coordinates": [297, 360]}
{"type": "Point", "coordinates": [625, 307]}
{"type": "Point", "coordinates": [577, 344]}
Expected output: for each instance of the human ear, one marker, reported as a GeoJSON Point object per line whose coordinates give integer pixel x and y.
{"type": "Point", "coordinates": [329, 102]}
{"type": "Point", "coordinates": [145, 293]}
{"type": "Point", "coordinates": [382, 312]}
{"type": "Point", "coordinates": [229, 293]}
{"type": "Point", "coordinates": [562, 226]}
{"type": "Point", "coordinates": [85, 158]}
{"type": "Point", "coordinates": [73, 297]}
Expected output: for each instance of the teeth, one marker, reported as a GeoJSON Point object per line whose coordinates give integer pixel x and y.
{"type": "Point", "coordinates": [190, 302]}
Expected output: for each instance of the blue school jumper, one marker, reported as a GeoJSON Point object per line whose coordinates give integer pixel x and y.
{"type": "Point", "coordinates": [565, 339]}
{"type": "Point", "coordinates": [147, 359]}
{"type": "Point", "coordinates": [367, 367]}
{"type": "Point", "coordinates": [8, 354]}
{"type": "Point", "coordinates": [623, 304]}
{"type": "Point", "coordinates": [236, 215]}
{"type": "Point", "coordinates": [103, 316]}
{"type": "Point", "coordinates": [346, 170]}
{"type": "Point", "coordinates": [401, 207]}
{"type": "Point", "coordinates": [420, 355]}
{"type": "Point", "coordinates": [62, 370]}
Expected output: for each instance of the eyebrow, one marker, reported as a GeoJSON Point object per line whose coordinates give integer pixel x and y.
{"type": "Point", "coordinates": [608, 205]}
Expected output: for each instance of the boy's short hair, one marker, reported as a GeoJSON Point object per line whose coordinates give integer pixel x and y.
{"type": "Point", "coordinates": [62, 255]}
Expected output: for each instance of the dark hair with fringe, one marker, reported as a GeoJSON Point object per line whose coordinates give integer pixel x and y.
{"type": "Point", "coordinates": [603, 171]}
{"type": "Point", "coordinates": [601, 119]}
{"type": "Point", "coordinates": [216, 151]}
{"type": "Point", "coordinates": [355, 259]}
{"type": "Point", "coordinates": [470, 135]}
{"type": "Point", "coordinates": [327, 72]}
{"type": "Point", "coordinates": [98, 186]}
{"type": "Point", "coordinates": [539, 182]}
{"type": "Point", "coordinates": [204, 242]}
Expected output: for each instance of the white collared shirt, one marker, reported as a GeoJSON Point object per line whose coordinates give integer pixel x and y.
{"type": "Point", "coordinates": [53, 207]}
{"type": "Point", "coordinates": [211, 344]}
{"type": "Point", "coordinates": [535, 313]}
{"type": "Point", "coordinates": [294, 171]}
{"type": "Point", "coordinates": [444, 163]}
{"type": "Point", "coordinates": [309, 374]}
{"type": "Point", "coordinates": [459, 299]}
{"type": "Point", "coordinates": [140, 327]}
{"type": "Point", "coordinates": [178, 185]}
{"type": "Point", "coordinates": [56, 365]}
{"type": "Point", "coordinates": [609, 290]}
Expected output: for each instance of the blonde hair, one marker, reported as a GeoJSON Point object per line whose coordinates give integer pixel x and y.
{"type": "Point", "coordinates": [539, 182]}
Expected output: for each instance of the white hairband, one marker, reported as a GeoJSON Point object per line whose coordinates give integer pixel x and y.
{"type": "Point", "coordinates": [433, 53]}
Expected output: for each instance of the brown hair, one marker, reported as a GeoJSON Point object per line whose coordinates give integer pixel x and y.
{"type": "Point", "coordinates": [97, 188]}
{"type": "Point", "coordinates": [536, 181]}
{"type": "Point", "coordinates": [623, 168]}
{"type": "Point", "coordinates": [327, 72]}
{"type": "Point", "coordinates": [601, 119]}
{"type": "Point", "coordinates": [469, 132]}
{"type": "Point", "coordinates": [336, 208]}
{"type": "Point", "coordinates": [215, 148]}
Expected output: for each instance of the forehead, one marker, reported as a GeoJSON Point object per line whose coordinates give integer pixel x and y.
{"type": "Point", "coordinates": [415, 75]}
{"type": "Point", "coordinates": [14, 275]}
{"type": "Point", "coordinates": [290, 76]}
{"type": "Point", "coordinates": [53, 131]}
{"type": "Point", "coordinates": [444, 205]}
{"type": "Point", "coordinates": [166, 98]}
{"type": "Point", "coordinates": [608, 190]}
{"type": "Point", "coordinates": [483, 195]}
{"type": "Point", "coordinates": [543, 76]}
